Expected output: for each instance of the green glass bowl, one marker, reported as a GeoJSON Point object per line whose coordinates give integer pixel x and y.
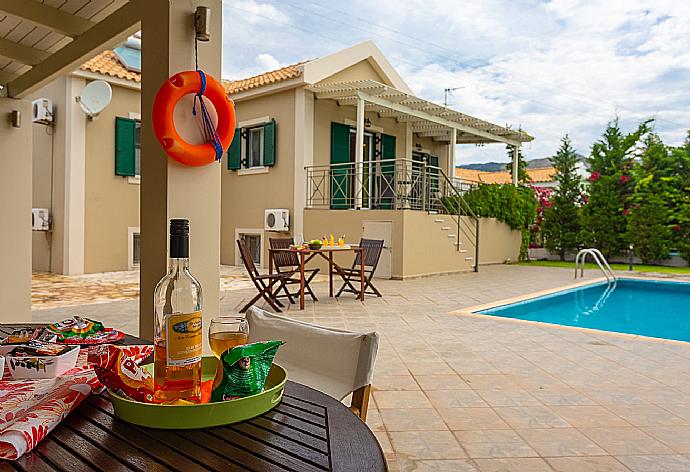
{"type": "Point", "coordinates": [204, 415]}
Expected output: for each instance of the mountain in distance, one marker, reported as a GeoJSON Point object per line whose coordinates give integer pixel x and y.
{"type": "Point", "coordinates": [539, 163]}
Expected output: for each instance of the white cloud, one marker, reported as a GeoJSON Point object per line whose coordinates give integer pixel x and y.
{"type": "Point", "coordinates": [257, 13]}
{"type": "Point", "coordinates": [267, 62]}
{"type": "Point", "coordinates": [564, 66]}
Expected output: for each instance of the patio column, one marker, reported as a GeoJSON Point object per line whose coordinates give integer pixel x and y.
{"type": "Point", "coordinates": [168, 189]}
{"type": "Point", "coordinates": [15, 208]}
{"type": "Point", "coordinates": [515, 165]}
{"type": "Point", "coordinates": [451, 153]}
{"type": "Point", "coordinates": [359, 154]}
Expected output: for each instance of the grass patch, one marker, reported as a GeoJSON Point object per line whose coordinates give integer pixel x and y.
{"type": "Point", "coordinates": [591, 265]}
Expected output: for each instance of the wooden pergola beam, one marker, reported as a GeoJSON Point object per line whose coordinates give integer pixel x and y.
{"type": "Point", "coordinates": [108, 32]}
{"type": "Point", "coordinates": [47, 17]}
{"type": "Point", "coordinates": [20, 53]}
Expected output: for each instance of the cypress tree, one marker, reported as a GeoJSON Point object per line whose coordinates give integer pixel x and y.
{"type": "Point", "coordinates": [561, 227]}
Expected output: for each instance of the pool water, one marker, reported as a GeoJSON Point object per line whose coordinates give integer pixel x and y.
{"type": "Point", "coordinates": [648, 308]}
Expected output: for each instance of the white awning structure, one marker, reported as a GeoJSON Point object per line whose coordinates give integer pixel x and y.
{"type": "Point", "coordinates": [41, 40]}
{"type": "Point", "coordinates": [426, 118]}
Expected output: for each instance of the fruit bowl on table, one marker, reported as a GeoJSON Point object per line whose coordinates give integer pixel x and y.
{"type": "Point", "coordinates": [315, 246]}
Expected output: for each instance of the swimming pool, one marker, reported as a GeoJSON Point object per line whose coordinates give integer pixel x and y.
{"type": "Point", "coordinates": [658, 309]}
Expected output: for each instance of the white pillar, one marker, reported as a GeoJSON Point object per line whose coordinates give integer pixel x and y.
{"type": "Point", "coordinates": [168, 189]}
{"type": "Point", "coordinates": [451, 153]}
{"type": "Point", "coordinates": [359, 154]}
{"type": "Point", "coordinates": [304, 155]}
{"type": "Point", "coordinates": [515, 165]}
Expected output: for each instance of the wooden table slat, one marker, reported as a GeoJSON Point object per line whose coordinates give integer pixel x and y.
{"type": "Point", "coordinates": [268, 452]}
{"type": "Point", "coordinates": [61, 458]}
{"type": "Point", "coordinates": [296, 423]}
{"type": "Point", "coordinates": [283, 444]}
{"type": "Point", "coordinates": [31, 463]}
{"type": "Point", "coordinates": [309, 407]}
{"type": "Point", "coordinates": [99, 410]}
{"type": "Point", "coordinates": [300, 414]}
{"type": "Point", "coordinates": [317, 443]}
{"type": "Point", "coordinates": [97, 457]}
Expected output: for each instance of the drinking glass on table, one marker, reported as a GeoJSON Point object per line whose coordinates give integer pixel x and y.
{"type": "Point", "coordinates": [227, 332]}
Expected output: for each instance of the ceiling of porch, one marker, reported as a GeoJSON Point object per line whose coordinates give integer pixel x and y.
{"type": "Point", "coordinates": [40, 39]}
{"type": "Point", "coordinates": [426, 118]}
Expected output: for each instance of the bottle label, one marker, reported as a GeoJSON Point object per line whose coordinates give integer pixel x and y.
{"type": "Point", "coordinates": [184, 338]}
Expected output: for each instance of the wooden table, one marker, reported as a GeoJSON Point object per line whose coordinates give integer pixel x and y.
{"type": "Point", "coordinates": [307, 255]}
{"type": "Point", "coordinates": [307, 431]}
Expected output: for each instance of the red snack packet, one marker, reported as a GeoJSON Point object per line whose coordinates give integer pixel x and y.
{"type": "Point", "coordinates": [121, 373]}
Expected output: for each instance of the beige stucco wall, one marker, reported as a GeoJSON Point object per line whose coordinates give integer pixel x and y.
{"type": "Point", "coordinates": [419, 246]}
{"type": "Point", "coordinates": [499, 243]}
{"type": "Point", "coordinates": [360, 71]}
{"type": "Point", "coordinates": [245, 197]}
{"type": "Point", "coordinates": [15, 210]}
{"type": "Point", "coordinates": [112, 203]}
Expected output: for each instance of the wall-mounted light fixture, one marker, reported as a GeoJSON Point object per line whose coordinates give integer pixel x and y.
{"type": "Point", "coordinates": [202, 23]}
{"type": "Point", "coordinates": [16, 118]}
{"type": "Point", "coordinates": [367, 123]}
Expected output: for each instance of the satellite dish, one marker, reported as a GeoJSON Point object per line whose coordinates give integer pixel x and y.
{"type": "Point", "coordinates": [95, 97]}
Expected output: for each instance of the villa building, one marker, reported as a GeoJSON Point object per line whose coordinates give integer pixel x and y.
{"type": "Point", "coordinates": [337, 145]}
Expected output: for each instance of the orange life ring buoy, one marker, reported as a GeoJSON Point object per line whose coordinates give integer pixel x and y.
{"type": "Point", "coordinates": [168, 95]}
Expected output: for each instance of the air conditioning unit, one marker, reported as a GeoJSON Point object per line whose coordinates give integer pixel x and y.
{"type": "Point", "coordinates": [277, 220]}
{"type": "Point", "coordinates": [40, 219]}
{"type": "Point", "coordinates": [42, 111]}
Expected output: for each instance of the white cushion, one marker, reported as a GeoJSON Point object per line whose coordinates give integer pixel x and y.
{"type": "Point", "coordinates": [334, 361]}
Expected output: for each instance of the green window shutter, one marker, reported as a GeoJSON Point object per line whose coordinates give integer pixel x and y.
{"type": "Point", "coordinates": [340, 154]}
{"type": "Point", "coordinates": [270, 143]}
{"type": "Point", "coordinates": [234, 151]}
{"type": "Point", "coordinates": [433, 177]}
{"type": "Point", "coordinates": [125, 130]}
{"type": "Point", "coordinates": [386, 183]}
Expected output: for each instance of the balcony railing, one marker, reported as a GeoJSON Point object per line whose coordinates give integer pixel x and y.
{"type": "Point", "coordinates": [394, 184]}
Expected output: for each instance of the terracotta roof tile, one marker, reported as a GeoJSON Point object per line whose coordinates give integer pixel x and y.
{"type": "Point", "coordinates": [537, 175]}
{"type": "Point", "coordinates": [106, 63]}
{"type": "Point", "coordinates": [279, 75]}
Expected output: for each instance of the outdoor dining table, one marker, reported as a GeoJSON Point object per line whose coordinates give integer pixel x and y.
{"type": "Point", "coordinates": [307, 431]}
{"type": "Point", "coordinates": [306, 255]}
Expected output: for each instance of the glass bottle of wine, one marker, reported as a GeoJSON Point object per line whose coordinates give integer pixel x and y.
{"type": "Point", "coordinates": [178, 324]}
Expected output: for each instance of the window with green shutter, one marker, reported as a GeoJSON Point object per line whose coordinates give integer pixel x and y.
{"type": "Point", "coordinates": [340, 154]}
{"type": "Point", "coordinates": [269, 159]}
{"type": "Point", "coordinates": [125, 146]}
{"type": "Point", "coordinates": [234, 151]}
{"type": "Point", "coordinates": [386, 181]}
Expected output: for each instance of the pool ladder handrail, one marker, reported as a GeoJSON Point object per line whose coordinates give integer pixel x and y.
{"type": "Point", "coordinates": [599, 258]}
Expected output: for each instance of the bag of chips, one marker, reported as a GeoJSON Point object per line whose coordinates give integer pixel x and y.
{"type": "Point", "coordinates": [80, 330]}
{"type": "Point", "coordinates": [242, 370]}
{"type": "Point", "coordinates": [121, 374]}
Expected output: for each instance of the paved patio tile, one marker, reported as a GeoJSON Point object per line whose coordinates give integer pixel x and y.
{"type": "Point", "coordinates": [625, 441]}
{"type": "Point", "coordinates": [520, 417]}
{"type": "Point", "coordinates": [457, 465]}
{"type": "Point", "coordinates": [441, 382]}
{"type": "Point", "coordinates": [647, 415]}
{"type": "Point", "coordinates": [455, 398]}
{"type": "Point", "coordinates": [416, 419]}
{"type": "Point", "coordinates": [395, 382]}
{"type": "Point", "coordinates": [418, 445]}
{"type": "Point", "coordinates": [657, 463]}
{"type": "Point", "coordinates": [675, 437]}
{"type": "Point", "coordinates": [586, 464]}
{"type": "Point", "coordinates": [513, 465]}
{"type": "Point", "coordinates": [472, 418]}
{"type": "Point", "coordinates": [401, 399]}
{"type": "Point", "coordinates": [515, 397]}
{"type": "Point", "coordinates": [560, 442]}
{"type": "Point", "coordinates": [589, 416]}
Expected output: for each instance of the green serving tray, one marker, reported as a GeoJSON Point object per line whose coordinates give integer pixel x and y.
{"type": "Point", "coordinates": [204, 415]}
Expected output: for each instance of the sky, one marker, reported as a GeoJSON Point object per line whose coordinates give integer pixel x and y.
{"type": "Point", "coordinates": [550, 67]}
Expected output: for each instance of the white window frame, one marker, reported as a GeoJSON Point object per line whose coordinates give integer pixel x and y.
{"type": "Point", "coordinates": [131, 231]}
{"type": "Point", "coordinates": [245, 126]}
{"type": "Point", "coordinates": [248, 145]}
{"type": "Point", "coordinates": [253, 232]}
{"type": "Point", "coordinates": [136, 180]}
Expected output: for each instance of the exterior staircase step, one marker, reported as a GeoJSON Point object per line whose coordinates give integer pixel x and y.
{"type": "Point", "coordinates": [451, 235]}
{"type": "Point", "coordinates": [432, 212]}
{"type": "Point", "coordinates": [468, 258]}
{"type": "Point", "coordinates": [439, 220]}
{"type": "Point", "coordinates": [445, 228]}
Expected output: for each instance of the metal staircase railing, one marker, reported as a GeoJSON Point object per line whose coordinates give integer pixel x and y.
{"type": "Point", "coordinates": [600, 260]}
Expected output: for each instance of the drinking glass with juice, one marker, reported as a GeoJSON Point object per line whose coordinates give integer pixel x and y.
{"type": "Point", "coordinates": [226, 332]}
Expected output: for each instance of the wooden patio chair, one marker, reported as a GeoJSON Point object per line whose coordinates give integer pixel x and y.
{"type": "Point", "coordinates": [288, 263]}
{"type": "Point", "coordinates": [334, 361]}
{"type": "Point", "coordinates": [352, 277]}
{"type": "Point", "coordinates": [263, 283]}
